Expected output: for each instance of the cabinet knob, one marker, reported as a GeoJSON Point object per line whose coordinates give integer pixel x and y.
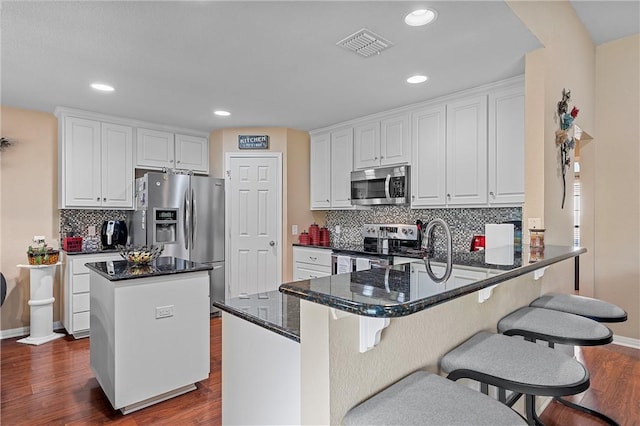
{"type": "Point", "coordinates": [178, 161]}
{"type": "Point", "coordinates": [381, 157]}
{"type": "Point", "coordinates": [375, 158]}
{"type": "Point", "coordinates": [327, 201]}
{"type": "Point", "coordinates": [413, 197]}
{"type": "Point", "coordinates": [104, 199]}
{"type": "Point", "coordinates": [448, 195]}
{"type": "Point", "coordinates": [97, 198]}
{"type": "Point", "coordinates": [492, 194]}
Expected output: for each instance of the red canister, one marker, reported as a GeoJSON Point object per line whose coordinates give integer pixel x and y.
{"type": "Point", "coordinates": [324, 237]}
{"type": "Point", "coordinates": [304, 238]}
{"type": "Point", "coordinates": [314, 234]}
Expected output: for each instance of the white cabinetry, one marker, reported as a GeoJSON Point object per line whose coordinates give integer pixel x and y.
{"type": "Point", "coordinates": [467, 151]}
{"type": "Point", "coordinates": [75, 290]}
{"type": "Point", "coordinates": [309, 262]}
{"type": "Point", "coordinates": [422, 285]}
{"type": "Point", "coordinates": [330, 170]}
{"type": "Point", "coordinates": [382, 143]}
{"type": "Point", "coordinates": [96, 164]}
{"type": "Point", "coordinates": [156, 149]}
{"type": "Point", "coordinates": [428, 171]}
{"type": "Point", "coordinates": [320, 171]}
{"type": "Point", "coordinates": [506, 146]}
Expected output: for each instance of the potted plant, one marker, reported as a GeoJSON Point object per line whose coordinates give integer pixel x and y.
{"type": "Point", "coordinates": [41, 254]}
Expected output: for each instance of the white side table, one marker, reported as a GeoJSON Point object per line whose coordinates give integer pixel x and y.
{"type": "Point", "coordinates": [41, 303]}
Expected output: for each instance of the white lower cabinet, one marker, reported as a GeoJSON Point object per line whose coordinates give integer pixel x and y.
{"type": "Point", "coordinates": [75, 290]}
{"type": "Point", "coordinates": [309, 262]}
{"type": "Point", "coordinates": [422, 285]}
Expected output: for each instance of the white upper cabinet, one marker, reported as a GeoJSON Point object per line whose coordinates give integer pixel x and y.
{"type": "Point", "coordinates": [506, 146]}
{"type": "Point", "coordinates": [331, 164]}
{"type": "Point", "coordinates": [394, 140]}
{"type": "Point", "coordinates": [320, 171]}
{"type": "Point", "coordinates": [366, 145]}
{"type": "Point", "coordinates": [341, 167]}
{"type": "Point", "coordinates": [467, 151]}
{"type": "Point", "coordinates": [192, 153]}
{"type": "Point", "coordinates": [428, 166]}
{"type": "Point", "coordinates": [96, 167]}
{"type": "Point", "coordinates": [384, 142]}
{"type": "Point", "coordinates": [117, 166]}
{"type": "Point", "coordinates": [156, 149]}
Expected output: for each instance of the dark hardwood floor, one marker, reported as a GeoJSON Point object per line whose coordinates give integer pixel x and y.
{"type": "Point", "coordinates": [52, 384]}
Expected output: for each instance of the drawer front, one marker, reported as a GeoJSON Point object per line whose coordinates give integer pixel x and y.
{"type": "Point", "coordinates": [312, 256]}
{"type": "Point", "coordinates": [80, 283]}
{"type": "Point", "coordinates": [78, 264]}
{"type": "Point", "coordinates": [302, 273]}
{"type": "Point", "coordinates": [80, 321]}
{"type": "Point", "coordinates": [80, 302]}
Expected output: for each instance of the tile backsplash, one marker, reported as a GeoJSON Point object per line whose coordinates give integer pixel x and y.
{"type": "Point", "coordinates": [76, 222]}
{"type": "Point", "coordinates": [464, 223]}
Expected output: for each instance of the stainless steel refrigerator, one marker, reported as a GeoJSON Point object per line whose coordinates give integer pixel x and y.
{"type": "Point", "coordinates": [185, 213]}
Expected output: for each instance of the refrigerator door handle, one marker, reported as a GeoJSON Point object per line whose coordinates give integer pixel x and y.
{"type": "Point", "coordinates": [186, 215]}
{"type": "Point", "coordinates": [194, 219]}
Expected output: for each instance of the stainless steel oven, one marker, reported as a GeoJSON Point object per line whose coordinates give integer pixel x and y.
{"type": "Point", "coordinates": [345, 262]}
{"type": "Point", "coordinates": [387, 185]}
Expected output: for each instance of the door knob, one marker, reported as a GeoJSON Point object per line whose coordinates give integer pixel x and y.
{"type": "Point", "coordinates": [272, 243]}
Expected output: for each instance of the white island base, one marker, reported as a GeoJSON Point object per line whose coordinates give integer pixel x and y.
{"type": "Point", "coordinates": [149, 337]}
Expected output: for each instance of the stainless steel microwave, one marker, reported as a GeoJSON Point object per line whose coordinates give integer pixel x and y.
{"type": "Point", "coordinates": [386, 185]}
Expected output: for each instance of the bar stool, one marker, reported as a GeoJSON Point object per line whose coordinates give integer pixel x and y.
{"type": "Point", "coordinates": [516, 365]}
{"type": "Point", "coordinates": [556, 327]}
{"type": "Point", "coordinates": [422, 398]}
{"type": "Point", "coordinates": [595, 309]}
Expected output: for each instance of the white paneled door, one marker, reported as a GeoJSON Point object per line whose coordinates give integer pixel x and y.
{"type": "Point", "coordinates": [254, 223]}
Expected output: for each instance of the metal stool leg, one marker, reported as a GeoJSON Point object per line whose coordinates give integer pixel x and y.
{"type": "Point", "coordinates": [584, 409]}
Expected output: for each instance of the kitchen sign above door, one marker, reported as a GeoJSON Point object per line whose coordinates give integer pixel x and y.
{"type": "Point", "coordinates": [253, 142]}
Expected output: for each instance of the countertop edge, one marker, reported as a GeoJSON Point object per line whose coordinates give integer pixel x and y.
{"type": "Point", "coordinates": [405, 309]}
{"type": "Point", "coordinates": [257, 321]}
{"type": "Point", "coordinates": [198, 267]}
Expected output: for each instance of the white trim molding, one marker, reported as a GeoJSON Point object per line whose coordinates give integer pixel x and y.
{"type": "Point", "coordinates": [24, 331]}
{"type": "Point", "coordinates": [626, 341]}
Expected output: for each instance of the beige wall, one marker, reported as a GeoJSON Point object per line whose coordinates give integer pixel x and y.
{"type": "Point", "coordinates": [28, 204]}
{"type": "Point", "coordinates": [615, 153]}
{"type": "Point", "coordinates": [566, 61]}
{"type": "Point", "coordinates": [294, 145]}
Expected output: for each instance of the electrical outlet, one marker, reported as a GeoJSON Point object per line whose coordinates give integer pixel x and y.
{"type": "Point", "coordinates": [294, 229]}
{"type": "Point", "coordinates": [535, 223]}
{"type": "Point", "coordinates": [164, 311]}
{"type": "Point", "coordinates": [337, 229]}
{"type": "Point", "coordinates": [91, 230]}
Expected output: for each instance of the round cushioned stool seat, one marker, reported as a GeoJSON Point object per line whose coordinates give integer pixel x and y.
{"type": "Point", "coordinates": [555, 326]}
{"type": "Point", "coordinates": [595, 309]}
{"type": "Point", "coordinates": [516, 365]}
{"type": "Point", "coordinates": [427, 399]}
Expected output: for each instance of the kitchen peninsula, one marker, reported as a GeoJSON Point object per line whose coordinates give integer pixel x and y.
{"type": "Point", "coordinates": [149, 329]}
{"type": "Point", "coordinates": [359, 332]}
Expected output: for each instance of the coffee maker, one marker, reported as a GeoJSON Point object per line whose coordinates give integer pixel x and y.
{"type": "Point", "coordinates": [113, 233]}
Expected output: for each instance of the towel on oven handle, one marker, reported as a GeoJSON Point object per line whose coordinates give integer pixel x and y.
{"type": "Point", "coordinates": [362, 264]}
{"type": "Point", "coordinates": [343, 264]}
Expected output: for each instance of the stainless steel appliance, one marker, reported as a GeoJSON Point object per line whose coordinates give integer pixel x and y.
{"type": "Point", "coordinates": [380, 243]}
{"type": "Point", "coordinates": [185, 213]}
{"type": "Point", "coordinates": [388, 185]}
{"type": "Point", "coordinates": [113, 233]}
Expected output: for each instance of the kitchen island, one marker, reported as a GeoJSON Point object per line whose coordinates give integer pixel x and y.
{"type": "Point", "coordinates": [360, 332]}
{"type": "Point", "coordinates": [149, 329]}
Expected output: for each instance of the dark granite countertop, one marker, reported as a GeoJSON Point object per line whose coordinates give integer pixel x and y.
{"type": "Point", "coordinates": [274, 311]}
{"type": "Point", "coordinates": [390, 292]}
{"type": "Point", "coordinates": [104, 251]}
{"type": "Point", "coordinates": [119, 270]}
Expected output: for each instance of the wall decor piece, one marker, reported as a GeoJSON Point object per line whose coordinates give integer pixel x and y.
{"type": "Point", "coordinates": [253, 141]}
{"type": "Point", "coordinates": [5, 143]}
{"type": "Point", "coordinates": [565, 139]}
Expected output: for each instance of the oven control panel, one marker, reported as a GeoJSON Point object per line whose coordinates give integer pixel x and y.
{"type": "Point", "coordinates": [390, 231]}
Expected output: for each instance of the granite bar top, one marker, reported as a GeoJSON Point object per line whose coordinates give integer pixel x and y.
{"type": "Point", "coordinates": [273, 310]}
{"type": "Point", "coordinates": [391, 292]}
{"type": "Point", "coordinates": [119, 270]}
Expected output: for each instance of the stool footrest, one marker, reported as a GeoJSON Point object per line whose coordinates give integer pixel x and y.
{"type": "Point", "coordinates": [587, 410]}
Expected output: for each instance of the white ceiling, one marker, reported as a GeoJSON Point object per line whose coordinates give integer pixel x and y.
{"type": "Point", "coordinates": [269, 63]}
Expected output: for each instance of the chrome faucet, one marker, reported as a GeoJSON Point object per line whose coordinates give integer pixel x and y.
{"type": "Point", "coordinates": [428, 248]}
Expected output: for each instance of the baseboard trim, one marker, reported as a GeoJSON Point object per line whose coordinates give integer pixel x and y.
{"type": "Point", "coordinates": [627, 341]}
{"type": "Point", "coordinates": [24, 331]}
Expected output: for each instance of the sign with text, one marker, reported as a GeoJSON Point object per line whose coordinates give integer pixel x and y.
{"type": "Point", "coordinates": [253, 142]}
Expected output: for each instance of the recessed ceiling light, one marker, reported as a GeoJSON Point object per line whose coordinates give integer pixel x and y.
{"type": "Point", "coordinates": [415, 79]}
{"type": "Point", "coordinates": [420, 17]}
{"type": "Point", "coordinates": [102, 87]}
{"type": "Point", "coordinates": [222, 113]}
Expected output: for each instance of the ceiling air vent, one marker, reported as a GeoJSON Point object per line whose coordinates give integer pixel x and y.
{"type": "Point", "coordinates": [365, 43]}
